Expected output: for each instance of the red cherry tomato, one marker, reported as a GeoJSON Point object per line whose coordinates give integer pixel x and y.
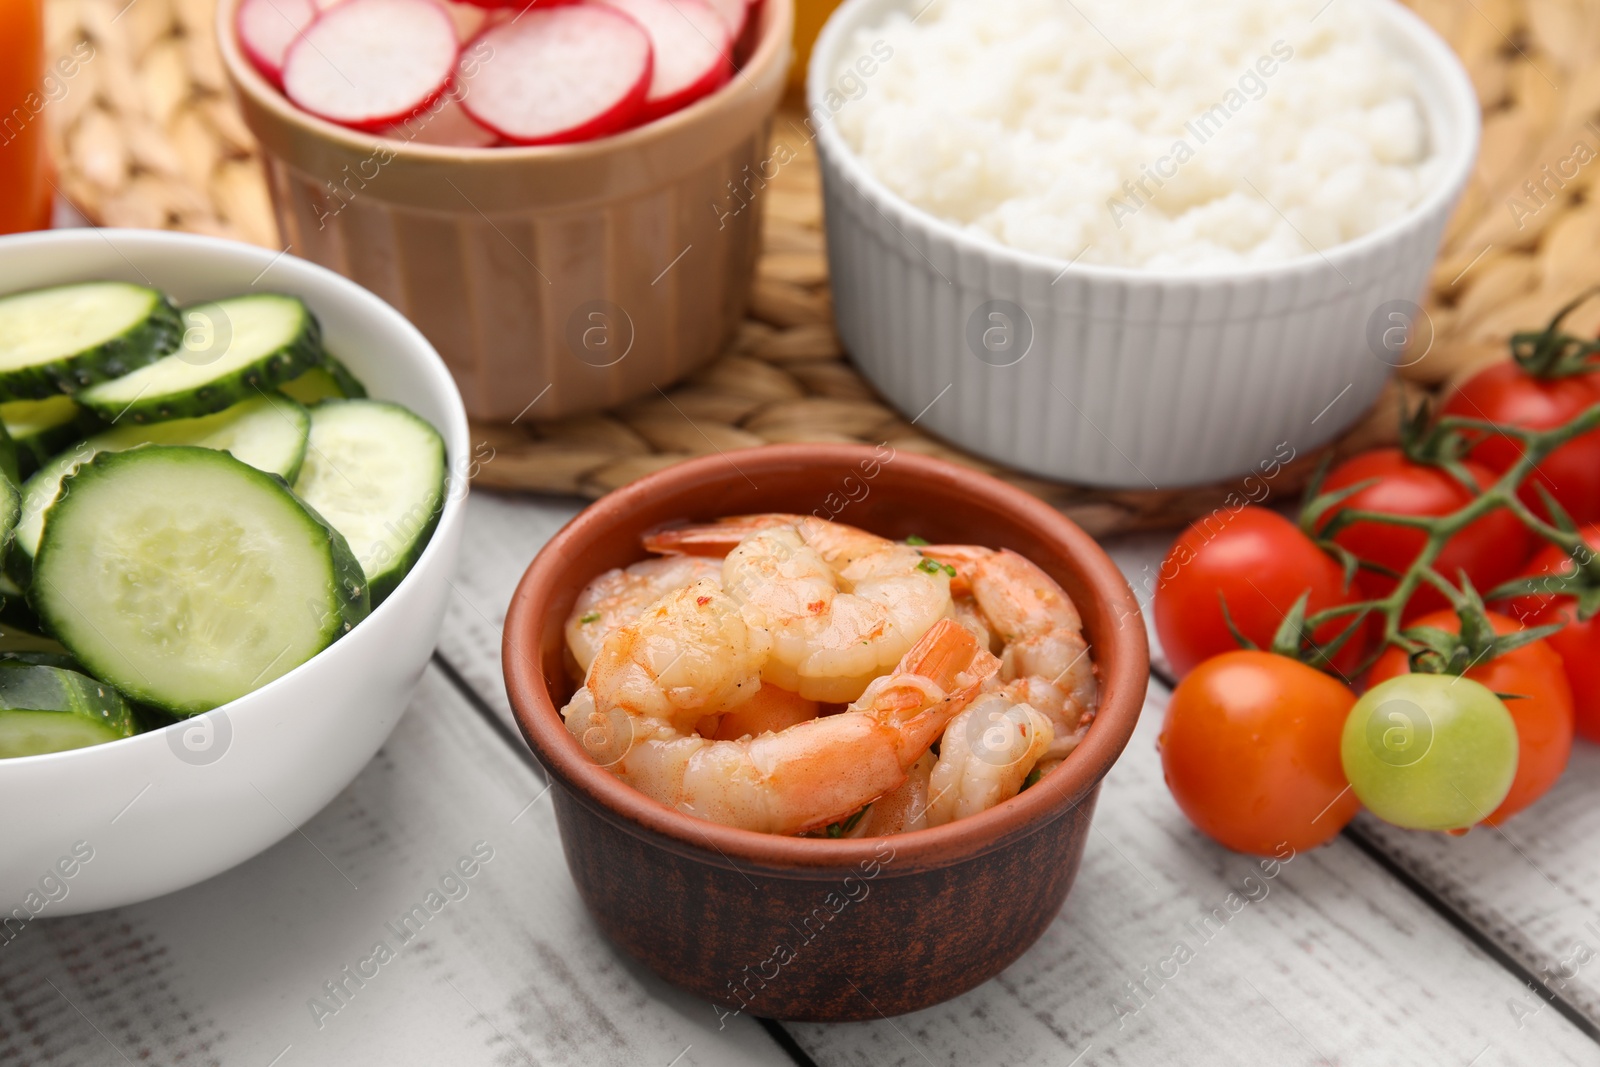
{"type": "Point", "coordinates": [1506, 394]}
{"type": "Point", "coordinates": [1260, 563]}
{"type": "Point", "coordinates": [1491, 550]}
{"type": "Point", "coordinates": [1250, 750]}
{"type": "Point", "coordinates": [1543, 716]}
{"type": "Point", "coordinates": [1578, 644]}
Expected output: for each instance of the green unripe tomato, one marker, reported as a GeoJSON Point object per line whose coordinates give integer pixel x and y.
{"type": "Point", "coordinates": [1430, 751]}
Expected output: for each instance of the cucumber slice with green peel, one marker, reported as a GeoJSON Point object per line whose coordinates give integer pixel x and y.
{"type": "Point", "coordinates": [15, 614]}
{"type": "Point", "coordinates": [42, 428]}
{"type": "Point", "coordinates": [186, 578]}
{"type": "Point", "coordinates": [21, 639]}
{"type": "Point", "coordinates": [377, 473]}
{"type": "Point", "coordinates": [232, 350]}
{"type": "Point", "coordinates": [8, 458]}
{"type": "Point", "coordinates": [63, 339]}
{"type": "Point", "coordinates": [269, 433]}
{"type": "Point", "coordinates": [10, 512]}
{"type": "Point", "coordinates": [329, 380]}
{"type": "Point", "coordinates": [51, 709]}
{"type": "Point", "coordinates": [39, 659]}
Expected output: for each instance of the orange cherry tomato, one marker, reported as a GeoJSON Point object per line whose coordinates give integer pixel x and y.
{"type": "Point", "coordinates": [1543, 716]}
{"type": "Point", "coordinates": [1250, 750]}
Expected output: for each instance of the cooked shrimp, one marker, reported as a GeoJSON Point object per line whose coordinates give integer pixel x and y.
{"type": "Point", "coordinates": [801, 778]}
{"type": "Point", "coordinates": [964, 609]}
{"type": "Point", "coordinates": [838, 544]}
{"type": "Point", "coordinates": [901, 810]}
{"type": "Point", "coordinates": [1046, 661]}
{"type": "Point", "coordinates": [842, 607]}
{"type": "Point", "coordinates": [687, 656]}
{"type": "Point", "coordinates": [984, 757]}
{"type": "Point", "coordinates": [769, 711]}
{"type": "Point", "coordinates": [620, 596]}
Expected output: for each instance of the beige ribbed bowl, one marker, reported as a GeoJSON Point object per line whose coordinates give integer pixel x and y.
{"type": "Point", "coordinates": [575, 276]}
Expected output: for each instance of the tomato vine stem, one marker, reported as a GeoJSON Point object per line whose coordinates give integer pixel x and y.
{"type": "Point", "coordinates": [1449, 440]}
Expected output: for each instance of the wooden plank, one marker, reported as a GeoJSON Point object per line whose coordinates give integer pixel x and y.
{"type": "Point", "coordinates": [503, 533]}
{"type": "Point", "coordinates": [502, 967]}
{"type": "Point", "coordinates": [1335, 959]}
{"type": "Point", "coordinates": [1328, 961]}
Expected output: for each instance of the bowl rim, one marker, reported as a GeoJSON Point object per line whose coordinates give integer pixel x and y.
{"type": "Point", "coordinates": [1053, 797]}
{"type": "Point", "coordinates": [1444, 71]}
{"type": "Point", "coordinates": [454, 432]}
{"type": "Point", "coordinates": [764, 61]}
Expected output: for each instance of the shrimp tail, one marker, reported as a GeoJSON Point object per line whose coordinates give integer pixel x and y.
{"type": "Point", "coordinates": [948, 664]}
{"type": "Point", "coordinates": [714, 539]}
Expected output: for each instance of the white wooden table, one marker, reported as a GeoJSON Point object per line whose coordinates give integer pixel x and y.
{"type": "Point", "coordinates": [1381, 948]}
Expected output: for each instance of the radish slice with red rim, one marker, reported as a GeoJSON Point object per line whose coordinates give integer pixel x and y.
{"type": "Point", "coordinates": [372, 63]}
{"type": "Point", "coordinates": [446, 123]}
{"type": "Point", "coordinates": [733, 14]}
{"type": "Point", "coordinates": [557, 74]}
{"type": "Point", "coordinates": [693, 50]}
{"type": "Point", "coordinates": [267, 28]}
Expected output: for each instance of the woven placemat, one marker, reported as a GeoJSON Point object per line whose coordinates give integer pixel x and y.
{"type": "Point", "coordinates": [145, 135]}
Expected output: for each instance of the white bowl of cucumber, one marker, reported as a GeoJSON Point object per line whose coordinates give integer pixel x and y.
{"type": "Point", "coordinates": [232, 501]}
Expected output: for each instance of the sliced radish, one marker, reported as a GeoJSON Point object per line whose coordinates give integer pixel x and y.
{"type": "Point", "coordinates": [520, 5]}
{"type": "Point", "coordinates": [371, 63]}
{"type": "Point", "coordinates": [557, 74]}
{"type": "Point", "coordinates": [267, 28]}
{"type": "Point", "coordinates": [692, 50]}
{"type": "Point", "coordinates": [733, 14]}
{"type": "Point", "coordinates": [445, 122]}
{"type": "Point", "coordinates": [468, 20]}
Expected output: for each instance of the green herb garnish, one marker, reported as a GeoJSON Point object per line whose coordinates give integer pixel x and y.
{"type": "Point", "coordinates": [915, 540]}
{"type": "Point", "coordinates": [844, 826]}
{"type": "Point", "coordinates": [1033, 777]}
{"type": "Point", "coordinates": [929, 566]}
{"type": "Point", "coordinates": [593, 616]}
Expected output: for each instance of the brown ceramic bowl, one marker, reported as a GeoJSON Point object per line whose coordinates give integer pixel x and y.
{"type": "Point", "coordinates": [583, 275]}
{"type": "Point", "coordinates": [800, 928]}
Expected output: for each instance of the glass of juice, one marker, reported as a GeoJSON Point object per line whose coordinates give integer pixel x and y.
{"type": "Point", "coordinates": [24, 184]}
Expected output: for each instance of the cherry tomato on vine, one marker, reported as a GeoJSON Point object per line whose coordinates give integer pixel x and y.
{"type": "Point", "coordinates": [1543, 717]}
{"type": "Point", "coordinates": [1430, 751]}
{"type": "Point", "coordinates": [1491, 550]}
{"type": "Point", "coordinates": [1250, 750]}
{"type": "Point", "coordinates": [1578, 644]}
{"type": "Point", "coordinates": [1507, 394]}
{"type": "Point", "coordinates": [1260, 563]}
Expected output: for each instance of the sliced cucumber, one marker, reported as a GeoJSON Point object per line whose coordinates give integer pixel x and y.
{"type": "Point", "coordinates": [15, 614]}
{"type": "Point", "coordinates": [8, 458]}
{"type": "Point", "coordinates": [10, 511]}
{"type": "Point", "coordinates": [376, 472]}
{"type": "Point", "coordinates": [50, 709]}
{"type": "Point", "coordinates": [62, 339]}
{"type": "Point", "coordinates": [42, 428]}
{"type": "Point", "coordinates": [186, 578]}
{"type": "Point", "coordinates": [231, 350]}
{"type": "Point", "coordinates": [39, 659]}
{"type": "Point", "coordinates": [21, 639]}
{"type": "Point", "coordinates": [329, 380]}
{"type": "Point", "coordinates": [269, 433]}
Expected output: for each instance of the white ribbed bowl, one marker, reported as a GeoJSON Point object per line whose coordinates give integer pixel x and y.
{"type": "Point", "coordinates": [1134, 379]}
